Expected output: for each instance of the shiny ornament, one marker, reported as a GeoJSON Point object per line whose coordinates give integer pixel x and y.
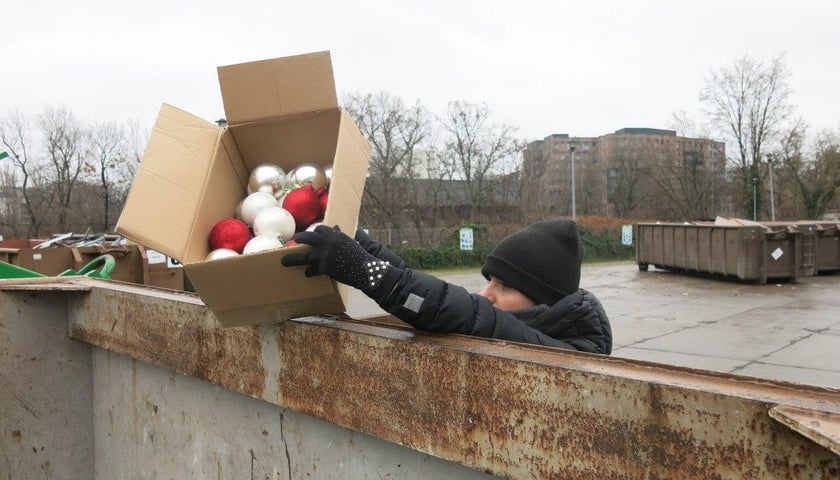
{"type": "Point", "coordinates": [328, 171]}
{"type": "Point", "coordinates": [221, 253]}
{"type": "Point", "coordinates": [230, 233]}
{"type": "Point", "coordinates": [254, 204]}
{"type": "Point", "coordinates": [275, 222]}
{"type": "Point", "coordinates": [266, 177]}
{"type": "Point", "coordinates": [307, 174]}
{"type": "Point", "coordinates": [312, 227]}
{"type": "Point", "coordinates": [323, 198]}
{"type": "Point", "coordinates": [304, 204]}
{"type": "Point", "coordinates": [238, 212]}
{"type": "Point", "coordinates": [260, 243]}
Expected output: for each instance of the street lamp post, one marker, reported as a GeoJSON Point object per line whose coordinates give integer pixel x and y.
{"type": "Point", "coordinates": [772, 197]}
{"type": "Point", "coordinates": [755, 198]}
{"type": "Point", "coordinates": [574, 209]}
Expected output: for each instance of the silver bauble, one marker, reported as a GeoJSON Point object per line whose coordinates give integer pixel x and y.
{"type": "Point", "coordinates": [307, 173]}
{"type": "Point", "coordinates": [266, 177]}
{"type": "Point", "coordinates": [328, 172]}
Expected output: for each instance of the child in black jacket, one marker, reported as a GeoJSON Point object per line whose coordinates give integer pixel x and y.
{"type": "Point", "coordinates": [532, 294]}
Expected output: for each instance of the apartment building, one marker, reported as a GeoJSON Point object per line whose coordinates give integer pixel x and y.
{"type": "Point", "coordinates": [631, 172]}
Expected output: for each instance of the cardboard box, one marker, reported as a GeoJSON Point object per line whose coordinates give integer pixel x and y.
{"type": "Point", "coordinates": [46, 261]}
{"type": "Point", "coordinates": [134, 264]}
{"type": "Point", "coordinates": [194, 173]}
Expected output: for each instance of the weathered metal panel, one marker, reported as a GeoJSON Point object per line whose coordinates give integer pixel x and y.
{"type": "Point", "coordinates": [822, 427]}
{"type": "Point", "coordinates": [46, 393]}
{"type": "Point", "coordinates": [513, 410]}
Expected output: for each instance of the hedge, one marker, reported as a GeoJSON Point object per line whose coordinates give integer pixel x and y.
{"type": "Point", "coordinates": [596, 247]}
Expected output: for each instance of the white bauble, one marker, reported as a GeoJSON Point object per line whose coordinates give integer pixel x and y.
{"type": "Point", "coordinates": [221, 253]}
{"type": "Point", "coordinates": [275, 222]}
{"type": "Point", "coordinates": [260, 243]}
{"type": "Point", "coordinates": [254, 204]}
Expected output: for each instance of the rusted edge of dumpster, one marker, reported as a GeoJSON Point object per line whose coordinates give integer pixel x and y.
{"type": "Point", "coordinates": [513, 410]}
{"type": "Point", "coordinates": [821, 427]}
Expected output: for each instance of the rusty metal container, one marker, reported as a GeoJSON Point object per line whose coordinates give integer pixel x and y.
{"type": "Point", "coordinates": [134, 263]}
{"type": "Point", "coordinates": [749, 252]}
{"type": "Point", "coordinates": [826, 248]}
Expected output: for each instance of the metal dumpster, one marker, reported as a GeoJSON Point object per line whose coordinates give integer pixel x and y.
{"type": "Point", "coordinates": [750, 252]}
{"type": "Point", "coordinates": [100, 380]}
{"type": "Point", "coordinates": [134, 263]}
{"type": "Point", "coordinates": [826, 237]}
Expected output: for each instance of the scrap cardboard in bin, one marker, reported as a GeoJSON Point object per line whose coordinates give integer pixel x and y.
{"type": "Point", "coordinates": [282, 111]}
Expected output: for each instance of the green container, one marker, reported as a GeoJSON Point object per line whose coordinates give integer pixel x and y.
{"type": "Point", "coordinates": [106, 262]}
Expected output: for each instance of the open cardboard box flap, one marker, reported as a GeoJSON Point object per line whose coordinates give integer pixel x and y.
{"type": "Point", "coordinates": [277, 88]}
{"type": "Point", "coordinates": [194, 173]}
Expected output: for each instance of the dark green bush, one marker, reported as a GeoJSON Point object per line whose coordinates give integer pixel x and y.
{"type": "Point", "coordinates": [449, 255]}
{"type": "Point", "coordinates": [600, 248]}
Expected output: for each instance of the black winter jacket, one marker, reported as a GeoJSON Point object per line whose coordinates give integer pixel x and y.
{"type": "Point", "coordinates": [578, 321]}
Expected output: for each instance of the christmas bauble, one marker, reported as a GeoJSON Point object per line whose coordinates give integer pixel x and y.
{"type": "Point", "coordinates": [266, 177]}
{"type": "Point", "coordinates": [221, 253]}
{"type": "Point", "coordinates": [328, 172]}
{"type": "Point", "coordinates": [304, 204]}
{"type": "Point", "coordinates": [238, 212]}
{"type": "Point", "coordinates": [230, 233]}
{"type": "Point", "coordinates": [307, 174]}
{"type": "Point", "coordinates": [254, 203]}
{"type": "Point", "coordinates": [260, 243]}
{"type": "Point", "coordinates": [275, 222]}
{"type": "Point", "coordinates": [323, 198]}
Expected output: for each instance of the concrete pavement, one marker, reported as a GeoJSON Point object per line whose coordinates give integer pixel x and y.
{"type": "Point", "coordinates": [780, 331]}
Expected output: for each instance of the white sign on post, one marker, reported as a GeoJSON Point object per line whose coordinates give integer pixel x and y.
{"type": "Point", "coordinates": [627, 234]}
{"type": "Point", "coordinates": [466, 238]}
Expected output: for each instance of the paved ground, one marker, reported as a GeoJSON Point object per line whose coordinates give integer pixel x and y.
{"type": "Point", "coordinates": [782, 331]}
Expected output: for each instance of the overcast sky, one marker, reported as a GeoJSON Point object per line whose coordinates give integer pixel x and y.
{"type": "Point", "coordinates": [580, 67]}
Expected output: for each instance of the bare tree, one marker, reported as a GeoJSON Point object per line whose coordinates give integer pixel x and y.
{"type": "Point", "coordinates": [396, 132]}
{"type": "Point", "coordinates": [113, 164]}
{"type": "Point", "coordinates": [66, 144]}
{"type": "Point", "coordinates": [749, 102]}
{"type": "Point", "coordinates": [28, 194]}
{"type": "Point", "coordinates": [816, 176]}
{"type": "Point", "coordinates": [690, 188]}
{"type": "Point", "coordinates": [476, 150]}
{"type": "Point", "coordinates": [627, 182]}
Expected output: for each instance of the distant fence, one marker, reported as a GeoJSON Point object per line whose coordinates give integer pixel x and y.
{"type": "Point", "coordinates": [411, 237]}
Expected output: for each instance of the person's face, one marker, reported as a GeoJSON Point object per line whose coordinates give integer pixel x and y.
{"type": "Point", "coordinates": [503, 296]}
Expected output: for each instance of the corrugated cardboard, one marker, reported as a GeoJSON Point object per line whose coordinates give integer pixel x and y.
{"type": "Point", "coordinates": [193, 174]}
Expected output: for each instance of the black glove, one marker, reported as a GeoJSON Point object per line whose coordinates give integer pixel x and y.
{"type": "Point", "coordinates": [341, 258]}
{"type": "Point", "coordinates": [378, 250]}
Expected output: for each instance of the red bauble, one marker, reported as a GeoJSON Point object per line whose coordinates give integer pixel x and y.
{"type": "Point", "coordinates": [323, 197]}
{"type": "Point", "coordinates": [304, 204]}
{"type": "Point", "coordinates": [229, 233]}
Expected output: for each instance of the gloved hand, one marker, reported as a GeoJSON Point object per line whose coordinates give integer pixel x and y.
{"type": "Point", "coordinates": [378, 250]}
{"type": "Point", "coordinates": [340, 257]}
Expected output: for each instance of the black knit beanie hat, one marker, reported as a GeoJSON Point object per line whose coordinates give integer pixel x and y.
{"type": "Point", "coordinates": [541, 261]}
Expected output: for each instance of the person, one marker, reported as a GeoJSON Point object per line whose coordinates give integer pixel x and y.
{"type": "Point", "coordinates": [532, 293]}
